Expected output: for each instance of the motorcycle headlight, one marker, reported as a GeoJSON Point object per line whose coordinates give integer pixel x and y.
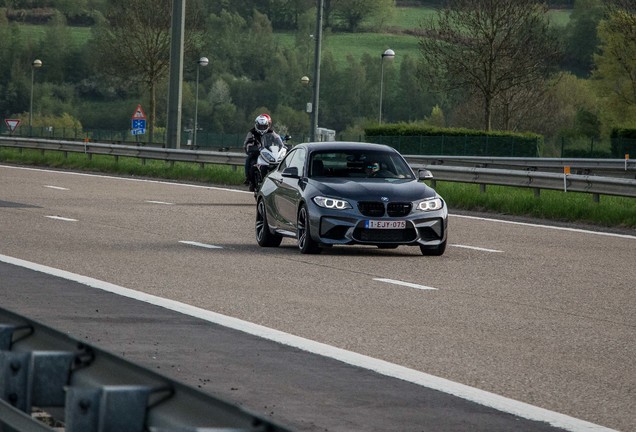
{"type": "Point", "coordinates": [269, 157]}
{"type": "Point", "coordinates": [332, 203]}
{"type": "Point", "coordinates": [430, 204]}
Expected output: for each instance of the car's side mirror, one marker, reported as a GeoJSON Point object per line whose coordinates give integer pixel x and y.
{"type": "Point", "coordinates": [424, 174]}
{"type": "Point", "coordinates": [290, 172]}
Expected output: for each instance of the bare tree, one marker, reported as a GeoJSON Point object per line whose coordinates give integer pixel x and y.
{"type": "Point", "coordinates": [488, 48]}
{"type": "Point", "coordinates": [134, 45]}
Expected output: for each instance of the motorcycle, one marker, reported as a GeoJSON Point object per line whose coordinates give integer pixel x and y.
{"type": "Point", "coordinates": [271, 153]}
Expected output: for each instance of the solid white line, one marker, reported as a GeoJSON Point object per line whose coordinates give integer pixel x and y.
{"type": "Point", "coordinates": [476, 248]}
{"type": "Point", "coordinates": [55, 187]}
{"type": "Point", "coordinates": [578, 230]}
{"type": "Point", "coordinates": [481, 397]}
{"type": "Point", "coordinates": [160, 202]}
{"type": "Point", "coordinates": [61, 218]}
{"type": "Point", "coordinates": [203, 245]}
{"type": "Point", "coordinates": [406, 284]}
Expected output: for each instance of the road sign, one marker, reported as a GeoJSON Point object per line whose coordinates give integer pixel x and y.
{"type": "Point", "coordinates": [138, 131]}
{"type": "Point", "coordinates": [139, 113]}
{"type": "Point", "coordinates": [138, 123]}
{"type": "Point", "coordinates": [12, 124]}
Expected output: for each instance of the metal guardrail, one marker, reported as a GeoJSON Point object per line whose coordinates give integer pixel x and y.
{"type": "Point", "coordinates": [527, 174]}
{"type": "Point", "coordinates": [43, 371]}
{"type": "Point", "coordinates": [625, 168]}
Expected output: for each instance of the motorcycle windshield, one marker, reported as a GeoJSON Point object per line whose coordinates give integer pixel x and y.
{"type": "Point", "coordinates": [272, 139]}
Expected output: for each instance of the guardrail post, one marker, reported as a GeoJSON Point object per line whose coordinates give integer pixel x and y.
{"type": "Point", "coordinates": [34, 378]}
{"type": "Point", "coordinates": [106, 409]}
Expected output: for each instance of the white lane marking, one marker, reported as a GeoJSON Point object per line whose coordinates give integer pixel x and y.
{"type": "Point", "coordinates": [406, 284]}
{"type": "Point", "coordinates": [129, 179]}
{"type": "Point", "coordinates": [626, 236]}
{"type": "Point", "coordinates": [55, 187]}
{"type": "Point", "coordinates": [61, 218]}
{"type": "Point", "coordinates": [160, 202]}
{"type": "Point", "coordinates": [476, 248]}
{"type": "Point", "coordinates": [472, 394]}
{"type": "Point", "coordinates": [203, 245]}
{"type": "Point", "coordinates": [578, 230]}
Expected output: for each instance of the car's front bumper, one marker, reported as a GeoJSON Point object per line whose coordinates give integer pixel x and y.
{"type": "Point", "coordinates": [348, 227]}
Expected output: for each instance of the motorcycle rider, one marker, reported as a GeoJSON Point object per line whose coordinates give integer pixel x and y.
{"type": "Point", "coordinates": [253, 143]}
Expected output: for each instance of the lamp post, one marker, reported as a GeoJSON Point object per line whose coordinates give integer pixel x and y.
{"type": "Point", "coordinates": [389, 54]}
{"type": "Point", "coordinates": [35, 65]}
{"type": "Point", "coordinates": [203, 61]}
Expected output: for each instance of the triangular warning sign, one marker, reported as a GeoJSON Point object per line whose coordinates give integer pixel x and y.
{"type": "Point", "coordinates": [139, 113]}
{"type": "Point", "coordinates": [12, 124]}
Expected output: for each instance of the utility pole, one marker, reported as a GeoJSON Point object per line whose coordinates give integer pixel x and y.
{"type": "Point", "coordinates": [176, 74]}
{"type": "Point", "coordinates": [316, 95]}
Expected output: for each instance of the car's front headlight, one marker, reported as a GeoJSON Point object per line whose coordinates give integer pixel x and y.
{"type": "Point", "coordinates": [430, 204]}
{"type": "Point", "coordinates": [332, 203]}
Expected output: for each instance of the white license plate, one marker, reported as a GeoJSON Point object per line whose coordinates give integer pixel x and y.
{"type": "Point", "coordinates": [379, 224]}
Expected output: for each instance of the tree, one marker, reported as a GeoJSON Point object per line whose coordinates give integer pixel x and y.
{"type": "Point", "coordinates": [354, 12]}
{"type": "Point", "coordinates": [489, 47]}
{"type": "Point", "coordinates": [615, 73]}
{"type": "Point", "coordinates": [581, 39]}
{"type": "Point", "coordinates": [134, 44]}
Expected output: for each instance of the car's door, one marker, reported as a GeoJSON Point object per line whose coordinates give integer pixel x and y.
{"type": "Point", "coordinates": [288, 192]}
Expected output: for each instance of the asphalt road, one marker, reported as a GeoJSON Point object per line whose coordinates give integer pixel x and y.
{"type": "Point", "coordinates": [536, 314]}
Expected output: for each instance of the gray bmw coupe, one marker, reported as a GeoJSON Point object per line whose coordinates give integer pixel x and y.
{"type": "Point", "coordinates": [342, 193]}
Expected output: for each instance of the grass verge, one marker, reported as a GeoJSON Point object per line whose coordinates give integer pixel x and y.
{"type": "Point", "coordinates": [573, 207]}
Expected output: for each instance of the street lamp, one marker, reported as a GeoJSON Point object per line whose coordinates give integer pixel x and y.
{"type": "Point", "coordinates": [389, 54]}
{"type": "Point", "coordinates": [35, 65]}
{"type": "Point", "coordinates": [203, 61]}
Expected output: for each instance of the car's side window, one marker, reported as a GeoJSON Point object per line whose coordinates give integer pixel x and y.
{"type": "Point", "coordinates": [298, 161]}
{"type": "Point", "coordinates": [285, 162]}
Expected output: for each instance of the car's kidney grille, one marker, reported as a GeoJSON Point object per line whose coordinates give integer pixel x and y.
{"type": "Point", "coordinates": [399, 209]}
{"type": "Point", "coordinates": [371, 208]}
{"type": "Point", "coordinates": [377, 209]}
{"type": "Point", "coordinates": [384, 235]}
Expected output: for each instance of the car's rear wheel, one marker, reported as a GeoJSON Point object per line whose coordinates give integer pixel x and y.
{"type": "Point", "coordinates": [433, 251]}
{"type": "Point", "coordinates": [264, 236]}
{"type": "Point", "coordinates": [306, 244]}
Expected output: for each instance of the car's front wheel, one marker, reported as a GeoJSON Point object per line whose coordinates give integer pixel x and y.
{"type": "Point", "coordinates": [306, 244]}
{"type": "Point", "coordinates": [435, 250]}
{"type": "Point", "coordinates": [264, 236]}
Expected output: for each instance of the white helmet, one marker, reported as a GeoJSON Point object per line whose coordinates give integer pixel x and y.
{"type": "Point", "coordinates": [262, 123]}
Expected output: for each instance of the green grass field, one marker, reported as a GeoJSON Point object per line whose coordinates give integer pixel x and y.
{"type": "Point", "coordinates": [342, 45]}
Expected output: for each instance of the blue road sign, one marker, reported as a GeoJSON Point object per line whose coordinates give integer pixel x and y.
{"type": "Point", "coordinates": [138, 131]}
{"type": "Point", "coordinates": [138, 124]}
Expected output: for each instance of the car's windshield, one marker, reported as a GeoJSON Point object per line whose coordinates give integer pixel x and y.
{"type": "Point", "coordinates": [359, 163]}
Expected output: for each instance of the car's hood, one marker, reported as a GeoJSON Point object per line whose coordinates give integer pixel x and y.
{"type": "Point", "coordinates": [373, 189]}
